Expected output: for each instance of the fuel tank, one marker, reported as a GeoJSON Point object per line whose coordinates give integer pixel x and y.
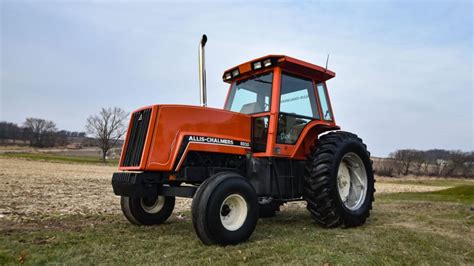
{"type": "Point", "coordinates": [159, 136]}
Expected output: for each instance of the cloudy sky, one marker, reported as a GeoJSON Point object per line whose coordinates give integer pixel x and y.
{"type": "Point", "coordinates": [404, 68]}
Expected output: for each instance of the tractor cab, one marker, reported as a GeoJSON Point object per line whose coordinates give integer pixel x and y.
{"type": "Point", "coordinates": [283, 95]}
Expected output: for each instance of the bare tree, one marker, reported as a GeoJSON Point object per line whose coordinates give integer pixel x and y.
{"type": "Point", "coordinates": [439, 165]}
{"type": "Point", "coordinates": [9, 131]}
{"type": "Point", "coordinates": [404, 160]}
{"type": "Point", "coordinates": [41, 131]}
{"type": "Point", "coordinates": [426, 168]}
{"type": "Point", "coordinates": [457, 163]}
{"type": "Point", "coordinates": [107, 127]}
{"type": "Point", "coordinates": [385, 167]}
{"type": "Point", "coordinates": [61, 138]}
{"type": "Point", "coordinates": [419, 161]}
{"type": "Point", "coordinates": [468, 166]}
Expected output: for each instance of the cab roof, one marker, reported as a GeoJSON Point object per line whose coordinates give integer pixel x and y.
{"type": "Point", "coordinates": [285, 62]}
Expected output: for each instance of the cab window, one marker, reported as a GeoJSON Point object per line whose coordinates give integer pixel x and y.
{"type": "Point", "coordinates": [297, 107]}
{"type": "Point", "coordinates": [251, 96]}
{"type": "Point", "coordinates": [324, 102]}
{"type": "Point", "coordinates": [297, 96]}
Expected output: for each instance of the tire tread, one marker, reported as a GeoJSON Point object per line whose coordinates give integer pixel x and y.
{"type": "Point", "coordinates": [319, 190]}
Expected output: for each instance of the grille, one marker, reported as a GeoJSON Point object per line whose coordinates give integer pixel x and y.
{"type": "Point", "coordinates": [136, 138]}
{"type": "Point", "coordinates": [124, 177]}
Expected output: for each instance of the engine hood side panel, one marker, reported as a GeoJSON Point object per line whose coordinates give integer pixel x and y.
{"type": "Point", "coordinates": [180, 128]}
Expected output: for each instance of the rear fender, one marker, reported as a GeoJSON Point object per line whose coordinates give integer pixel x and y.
{"type": "Point", "coordinates": [308, 137]}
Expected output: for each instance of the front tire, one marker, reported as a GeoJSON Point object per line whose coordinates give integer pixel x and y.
{"type": "Point", "coordinates": [339, 181]}
{"type": "Point", "coordinates": [224, 209]}
{"type": "Point", "coordinates": [145, 211]}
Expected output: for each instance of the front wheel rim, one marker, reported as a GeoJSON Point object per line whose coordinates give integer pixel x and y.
{"type": "Point", "coordinates": [233, 212]}
{"type": "Point", "coordinates": [352, 181]}
{"type": "Point", "coordinates": [154, 206]}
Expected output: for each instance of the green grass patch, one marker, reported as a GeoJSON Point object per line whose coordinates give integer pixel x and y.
{"type": "Point", "coordinates": [459, 194]}
{"type": "Point", "coordinates": [401, 230]}
{"type": "Point", "coordinates": [48, 157]}
{"type": "Point", "coordinates": [292, 237]}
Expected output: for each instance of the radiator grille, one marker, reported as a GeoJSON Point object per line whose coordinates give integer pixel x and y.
{"type": "Point", "coordinates": [136, 137]}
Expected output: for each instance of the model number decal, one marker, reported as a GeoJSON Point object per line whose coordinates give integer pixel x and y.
{"type": "Point", "coordinates": [218, 141]}
{"type": "Point", "coordinates": [245, 144]}
{"type": "Point", "coordinates": [208, 140]}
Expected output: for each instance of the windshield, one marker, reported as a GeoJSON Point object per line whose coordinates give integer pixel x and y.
{"type": "Point", "coordinates": [252, 95]}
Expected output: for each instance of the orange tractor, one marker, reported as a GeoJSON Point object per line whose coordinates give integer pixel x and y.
{"type": "Point", "coordinates": [275, 141]}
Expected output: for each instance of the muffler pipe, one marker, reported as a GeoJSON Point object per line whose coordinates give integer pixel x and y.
{"type": "Point", "coordinates": [202, 71]}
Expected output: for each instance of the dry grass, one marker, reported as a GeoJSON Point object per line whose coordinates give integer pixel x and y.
{"type": "Point", "coordinates": [31, 190]}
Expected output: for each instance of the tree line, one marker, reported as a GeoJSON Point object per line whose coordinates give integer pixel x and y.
{"type": "Point", "coordinates": [436, 162]}
{"type": "Point", "coordinates": [36, 132]}
{"type": "Point", "coordinates": [106, 128]}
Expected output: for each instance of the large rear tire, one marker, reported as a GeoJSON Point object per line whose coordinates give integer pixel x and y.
{"type": "Point", "coordinates": [339, 181]}
{"type": "Point", "coordinates": [144, 211]}
{"type": "Point", "coordinates": [224, 209]}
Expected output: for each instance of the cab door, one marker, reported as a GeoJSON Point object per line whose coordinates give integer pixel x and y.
{"type": "Point", "coordinates": [252, 96]}
{"type": "Point", "coordinates": [298, 106]}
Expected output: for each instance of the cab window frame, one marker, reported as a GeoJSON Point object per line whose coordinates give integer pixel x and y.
{"type": "Point", "coordinates": [232, 92]}
{"type": "Point", "coordinates": [328, 101]}
{"type": "Point", "coordinates": [316, 100]}
{"type": "Point", "coordinates": [316, 108]}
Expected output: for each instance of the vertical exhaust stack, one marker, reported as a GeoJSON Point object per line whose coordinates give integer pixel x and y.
{"type": "Point", "coordinates": [202, 71]}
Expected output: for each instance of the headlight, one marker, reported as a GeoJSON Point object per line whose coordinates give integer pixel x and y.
{"type": "Point", "coordinates": [267, 62]}
{"type": "Point", "coordinates": [235, 73]}
{"type": "Point", "coordinates": [257, 65]}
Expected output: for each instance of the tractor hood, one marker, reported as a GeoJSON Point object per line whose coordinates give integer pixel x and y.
{"type": "Point", "coordinates": [159, 136]}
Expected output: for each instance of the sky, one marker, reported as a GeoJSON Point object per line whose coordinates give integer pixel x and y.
{"type": "Point", "coordinates": [404, 69]}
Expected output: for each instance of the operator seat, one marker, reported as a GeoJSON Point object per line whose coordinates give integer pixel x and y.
{"type": "Point", "coordinates": [251, 108]}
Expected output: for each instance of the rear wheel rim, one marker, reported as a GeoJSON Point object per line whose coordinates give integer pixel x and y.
{"type": "Point", "coordinates": [352, 181]}
{"type": "Point", "coordinates": [233, 212]}
{"type": "Point", "coordinates": [152, 207]}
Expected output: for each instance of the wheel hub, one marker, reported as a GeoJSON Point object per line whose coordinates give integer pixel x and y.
{"type": "Point", "coordinates": [233, 212]}
{"type": "Point", "coordinates": [352, 181]}
{"type": "Point", "coordinates": [152, 206]}
{"type": "Point", "coordinates": [343, 180]}
{"type": "Point", "coordinates": [225, 211]}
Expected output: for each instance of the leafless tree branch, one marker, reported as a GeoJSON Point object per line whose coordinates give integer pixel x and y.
{"type": "Point", "coordinates": [108, 127]}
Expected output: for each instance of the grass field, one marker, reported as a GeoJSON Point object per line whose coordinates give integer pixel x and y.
{"type": "Point", "coordinates": [404, 228]}
{"type": "Point", "coordinates": [49, 157]}
{"type": "Point", "coordinates": [434, 227]}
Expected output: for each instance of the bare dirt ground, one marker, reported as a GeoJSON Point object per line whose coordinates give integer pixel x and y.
{"type": "Point", "coordinates": [33, 190]}
{"type": "Point", "coordinates": [385, 185]}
